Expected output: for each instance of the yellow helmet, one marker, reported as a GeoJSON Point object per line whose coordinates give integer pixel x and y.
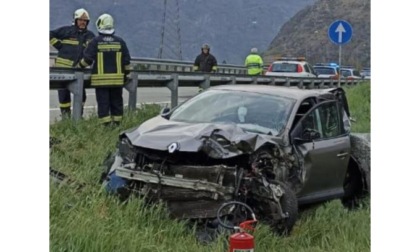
{"type": "Point", "coordinates": [105, 24]}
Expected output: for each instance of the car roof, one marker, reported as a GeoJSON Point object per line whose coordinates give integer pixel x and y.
{"type": "Point", "coordinates": [288, 62]}
{"type": "Point", "coordinates": [290, 92]}
{"type": "Point", "coordinates": [325, 67]}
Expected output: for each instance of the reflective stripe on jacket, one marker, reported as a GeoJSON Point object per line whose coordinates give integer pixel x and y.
{"type": "Point", "coordinates": [254, 64]}
{"type": "Point", "coordinates": [70, 42]}
{"type": "Point", "coordinates": [205, 63]}
{"type": "Point", "coordinates": [111, 59]}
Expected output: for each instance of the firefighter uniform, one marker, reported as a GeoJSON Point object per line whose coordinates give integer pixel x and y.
{"type": "Point", "coordinates": [205, 62]}
{"type": "Point", "coordinates": [111, 63]}
{"type": "Point", "coordinates": [254, 63]}
{"type": "Point", "coordinates": [70, 41]}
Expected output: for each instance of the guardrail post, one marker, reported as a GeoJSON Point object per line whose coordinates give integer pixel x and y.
{"type": "Point", "coordinates": [173, 86]}
{"type": "Point", "coordinates": [300, 85]}
{"type": "Point", "coordinates": [76, 87]}
{"type": "Point", "coordinates": [254, 80]}
{"type": "Point", "coordinates": [206, 82]}
{"type": "Point", "coordinates": [272, 81]}
{"type": "Point", "coordinates": [232, 80]}
{"type": "Point", "coordinates": [321, 85]}
{"type": "Point", "coordinates": [131, 87]}
{"type": "Point", "coordinates": [287, 82]}
{"type": "Point", "coordinates": [331, 83]}
{"type": "Point", "coordinates": [312, 84]}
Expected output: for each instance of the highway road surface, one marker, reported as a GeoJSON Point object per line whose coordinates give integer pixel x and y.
{"type": "Point", "coordinates": [152, 95]}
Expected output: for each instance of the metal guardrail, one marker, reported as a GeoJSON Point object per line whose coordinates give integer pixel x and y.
{"type": "Point", "coordinates": [77, 79]}
{"type": "Point", "coordinates": [153, 64]}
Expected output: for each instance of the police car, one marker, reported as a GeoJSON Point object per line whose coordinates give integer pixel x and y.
{"type": "Point", "coordinates": [291, 67]}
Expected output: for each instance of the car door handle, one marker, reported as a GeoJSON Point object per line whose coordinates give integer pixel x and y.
{"type": "Point", "coordinates": [342, 154]}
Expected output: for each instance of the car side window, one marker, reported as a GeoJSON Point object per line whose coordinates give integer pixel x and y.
{"type": "Point", "coordinates": [306, 68]}
{"type": "Point", "coordinates": [311, 126]}
{"type": "Point", "coordinates": [322, 123]}
{"type": "Point", "coordinates": [330, 120]}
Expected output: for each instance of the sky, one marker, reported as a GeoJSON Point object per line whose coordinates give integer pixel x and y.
{"type": "Point", "coordinates": [25, 127]}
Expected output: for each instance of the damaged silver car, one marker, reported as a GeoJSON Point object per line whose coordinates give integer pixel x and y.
{"type": "Point", "coordinates": [273, 148]}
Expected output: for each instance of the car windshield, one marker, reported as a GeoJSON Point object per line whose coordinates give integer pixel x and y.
{"type": "Point", "coordinates": [285, 67]}
{"type": "Point", "coordinates": [253, 112]}
{"type": "Point", "coordinates": [325, 70]}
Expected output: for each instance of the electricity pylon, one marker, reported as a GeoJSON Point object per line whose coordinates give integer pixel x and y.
{"type": "Point", "coordinates": [170, 41]}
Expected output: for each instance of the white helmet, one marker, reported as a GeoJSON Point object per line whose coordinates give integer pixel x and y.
{"type": "Point", "coordinates": [81, 14]}
{"type": "Point", "coordinates": [105, 24]}
{"type": "Point", "coordinates": [254, 50]}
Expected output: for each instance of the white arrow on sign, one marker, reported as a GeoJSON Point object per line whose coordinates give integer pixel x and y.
{"type": "Point", "coordinates": [340, 29]}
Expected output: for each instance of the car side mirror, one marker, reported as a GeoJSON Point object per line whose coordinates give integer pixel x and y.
{"type": "Point", "coordinates": [307, 136]}
{"type": "Point", "coordinates": [311, 134]}
{"type": "Point", "coordinates": [165, 112]}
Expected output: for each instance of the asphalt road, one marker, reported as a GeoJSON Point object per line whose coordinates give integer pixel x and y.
{"type": "Point", "coordinates": [151, 95]}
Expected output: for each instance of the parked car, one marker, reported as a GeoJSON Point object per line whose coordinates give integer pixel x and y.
{"type": "Point", "coordinates": [291, 67]}
{"type": "Point", "coordinates": [350, 73]}
{"type": "Point", "coordinates": [365, 73]}
{"type": "Point", "coordinates": [327, 70]}
{"type": "Point", "coordinates": [271, 147]}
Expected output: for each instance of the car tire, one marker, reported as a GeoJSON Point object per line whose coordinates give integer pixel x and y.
{"type": "Point", "coordinates": [289, 205]}
{"type": "Point", "coordinates": [353, 188]}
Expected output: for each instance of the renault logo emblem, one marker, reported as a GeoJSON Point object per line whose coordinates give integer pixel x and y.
{"type": "Point", "coordinates": [173, 147]}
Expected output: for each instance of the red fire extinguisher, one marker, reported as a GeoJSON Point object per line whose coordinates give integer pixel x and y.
{"type": "Point", "coordinates": [241, 241]}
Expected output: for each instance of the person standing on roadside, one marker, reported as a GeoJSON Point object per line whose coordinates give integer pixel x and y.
{"type": "Point", "coordinates": [111, 64]}
{"type": "Point", "coordinates": [205, 62]}
{"type": "Point", "coordinates": [254, 63]}
{"type": "Point", "coordinates": [70, 41]}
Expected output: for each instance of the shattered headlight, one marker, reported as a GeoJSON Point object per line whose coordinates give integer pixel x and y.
{"type": "Point", "coordinates": [127, 151]}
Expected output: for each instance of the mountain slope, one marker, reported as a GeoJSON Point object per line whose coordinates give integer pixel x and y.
{"type": "Point", "coordinates": [306, 34]}
{"type": "Point", "coordinates": [231, 27]}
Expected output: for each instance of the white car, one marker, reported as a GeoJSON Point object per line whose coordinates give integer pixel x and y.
{"type": "Point", "coordinates": [291, 67]}
{"type": "Point", "coordinates": [365, 73]}
{"type": "Point", "coordinates": [350, 74]}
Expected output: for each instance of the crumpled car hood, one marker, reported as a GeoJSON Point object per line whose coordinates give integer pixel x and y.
{"type": "Point", "coordinates": [159, 133]}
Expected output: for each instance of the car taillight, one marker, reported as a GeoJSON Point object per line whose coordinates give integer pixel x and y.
{"type": "Point", "coordinates": [270, 68]}
{"type": "Point", "coordinates": [299, 68]}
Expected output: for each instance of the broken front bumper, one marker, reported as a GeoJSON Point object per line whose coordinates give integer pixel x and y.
{"type": "Point", "coordinates": [189, 191]}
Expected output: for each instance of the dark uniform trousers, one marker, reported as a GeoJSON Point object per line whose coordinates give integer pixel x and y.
{"type": "Point", "coordinates": [64, 98]}
{"type": "Point", "coordinates": [110, 104]}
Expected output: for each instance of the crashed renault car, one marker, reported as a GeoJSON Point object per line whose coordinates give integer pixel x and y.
{"type": "Point", "coordinates": [270, 147]}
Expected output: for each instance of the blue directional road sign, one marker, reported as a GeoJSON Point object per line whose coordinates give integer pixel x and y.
{"type": "Point", "coordinates": [340, 32]}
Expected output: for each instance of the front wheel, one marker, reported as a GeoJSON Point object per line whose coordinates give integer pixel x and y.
{"type": "Point", "coordinates": [289, 206]}
{"type": "Point", "coordinates": [281, 217]}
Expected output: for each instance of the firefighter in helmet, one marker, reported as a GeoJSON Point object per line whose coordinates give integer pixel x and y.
{"type": "Point", "coordinates": [205, 62]}
{"type": "Point", "coordinates": [111, 64]}
{"type": "Point", "coordinates": [70, 41]}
